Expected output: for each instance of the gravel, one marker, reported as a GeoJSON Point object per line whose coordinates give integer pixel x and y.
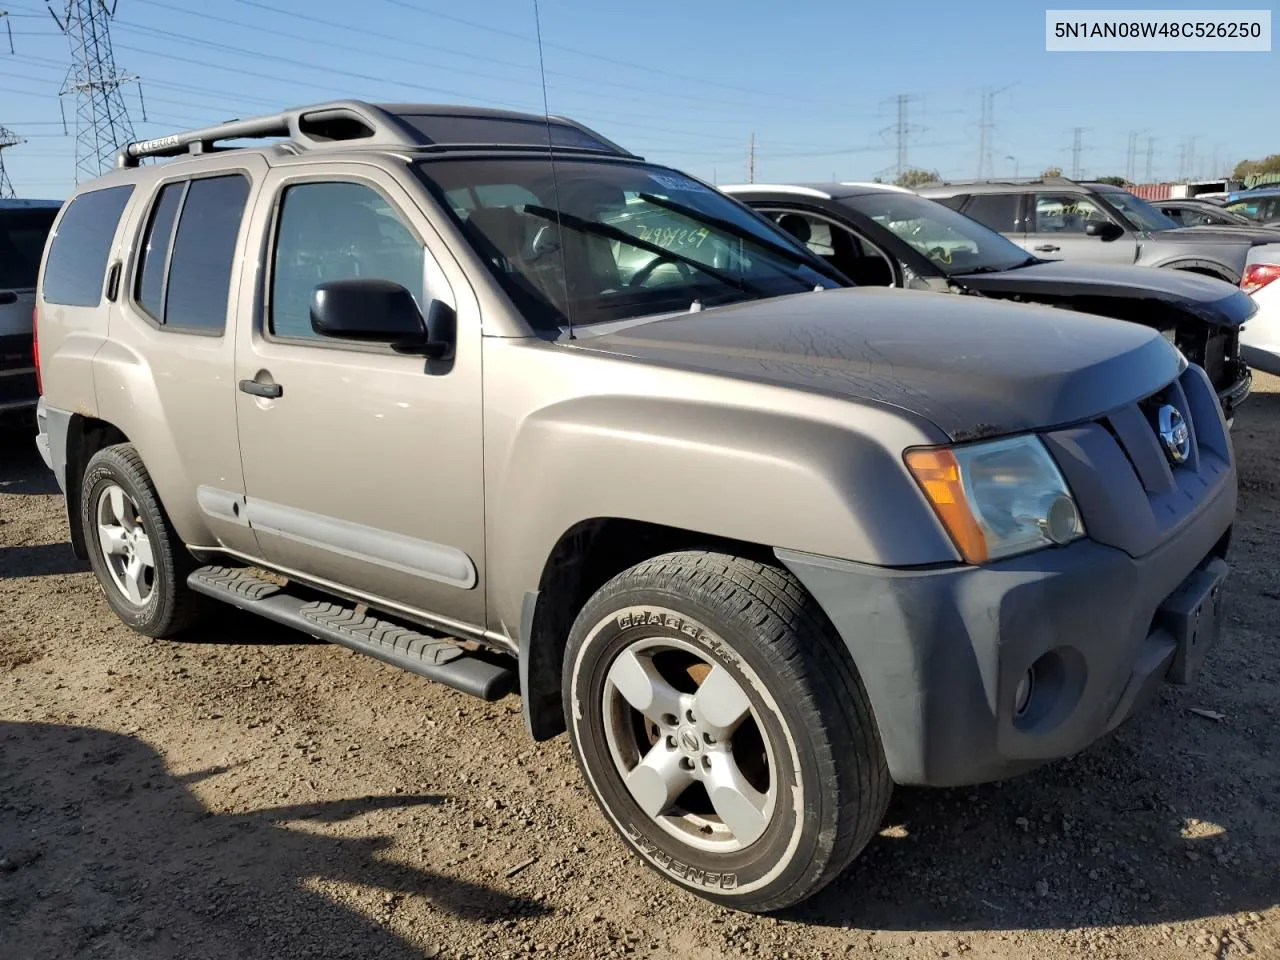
{"type": "Point", "coordinates": [249, 793]}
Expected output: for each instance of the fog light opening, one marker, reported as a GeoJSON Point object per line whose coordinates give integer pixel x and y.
{"type": "Point", "coordinates": [1022, 695]}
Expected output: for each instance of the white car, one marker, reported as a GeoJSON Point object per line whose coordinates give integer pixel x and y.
{"type": "Point", "coordinates": [1260, 335]}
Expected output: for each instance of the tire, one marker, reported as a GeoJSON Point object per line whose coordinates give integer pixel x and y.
{"type": "Point", "coordinates": [119, 510]}
{"type": "Point", "coordinates": [754, 665]}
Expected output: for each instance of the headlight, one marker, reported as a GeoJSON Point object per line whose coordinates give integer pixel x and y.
{"type": "Point", "coordinates": [997, 499]}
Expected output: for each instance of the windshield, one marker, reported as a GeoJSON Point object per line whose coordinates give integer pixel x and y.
{"type": "Point", "coordinates": [952, 241]}
{"type": "Point", "coordinates": [1140, 213]}
{"type": "Point", "coordinates": [22, 237]}
{"type": "Point", "coordinates": [628, 239]}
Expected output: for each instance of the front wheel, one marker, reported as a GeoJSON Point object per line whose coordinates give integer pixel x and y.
{"type": "Point", "coordinates": [723, 729]}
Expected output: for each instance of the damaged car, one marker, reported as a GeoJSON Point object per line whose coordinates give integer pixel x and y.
{"type": "Point", "coordinates": [881, 235]}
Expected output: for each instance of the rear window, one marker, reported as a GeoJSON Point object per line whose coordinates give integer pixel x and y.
{"type": "Point", "coordinates": [184, 281]}
{"type": "Point", "coordinates": [22, 237]}
{"type": "Point", "coordinates": [75, 272]}
{"type": "Point", "coordinates": [997, 211]}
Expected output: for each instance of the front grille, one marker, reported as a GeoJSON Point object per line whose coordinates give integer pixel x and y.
{"type": "Point", "coordinates": [1130, 492]}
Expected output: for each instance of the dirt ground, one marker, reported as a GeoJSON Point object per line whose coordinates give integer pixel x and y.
{"type": "Point", "coordinates": [249, 793]}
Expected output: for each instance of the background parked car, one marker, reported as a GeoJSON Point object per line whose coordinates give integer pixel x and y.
{"type": "Point", "coordinates": [1261, 204]}
{"type": "Point", "coordinates": [1199, 213]}
{"type": "Point", "coordinates": [879, 235]}
{"type": "Point", "coordinates": [1060, 219]}
{"type": "Point", "coordinates": [24, 226]}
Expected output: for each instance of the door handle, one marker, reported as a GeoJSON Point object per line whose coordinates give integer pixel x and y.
{"type": "Point", "coordinates": [1046, 248]}
{"type": "Point", "coordinates": [258, 389]}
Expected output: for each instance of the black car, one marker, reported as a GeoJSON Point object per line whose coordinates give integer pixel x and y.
{"type": "Point", "coordinates": [1200, 213]}
{"type": "Point", "coordinates": [878, 235]}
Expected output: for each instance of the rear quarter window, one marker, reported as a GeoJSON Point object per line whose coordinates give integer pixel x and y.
{"type": "Point", "coordinates": [23, 233]}
{"type": "Point", "coordinates": [75, 271]}
{"type": "Point", "coordinates": [997, 211]}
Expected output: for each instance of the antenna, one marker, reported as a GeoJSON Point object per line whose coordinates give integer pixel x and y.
{"type": "Point", "coordinates": [555, 182]}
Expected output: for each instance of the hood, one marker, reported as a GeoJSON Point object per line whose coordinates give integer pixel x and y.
{"type": "Point", "coordinates": [973, 367]}
{"type": "Point", "coordinates": [1211, 300]}
{"type": "Point", "coordinates": [1219, 233]}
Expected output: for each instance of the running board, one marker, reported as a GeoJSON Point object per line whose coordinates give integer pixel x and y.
{"type": "Point", "coordinates": [430, 657]}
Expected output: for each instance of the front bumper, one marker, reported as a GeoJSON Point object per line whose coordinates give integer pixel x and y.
{"type": "Point", "coordinates": [942, 651]}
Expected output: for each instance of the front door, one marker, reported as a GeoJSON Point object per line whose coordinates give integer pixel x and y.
{"type": "Point", "coordinates": [1057, 226]}
{"type": "Point", "coordinates": [364, 472]}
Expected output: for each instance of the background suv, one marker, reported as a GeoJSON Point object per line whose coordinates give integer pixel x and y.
{"type": "Point", "coordinates": [24, 226]}
{"type": "Point", "coordinates": [1060, 219]}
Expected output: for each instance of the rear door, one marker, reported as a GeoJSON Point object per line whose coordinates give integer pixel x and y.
{"type": "Point", "coordinates": [172, 345]}
{"type": "Point", "coordinates": [1056, 230]}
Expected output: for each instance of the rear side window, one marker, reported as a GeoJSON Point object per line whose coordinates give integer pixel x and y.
{"type": "Point", "coordinates": [998, 211]}
{"type": "Point", "coordinates": [955, 203]}
{"type": "Point", "coordinates": [76, 269]}
{"type": "Point", "coordinates": [23, 233]}
{"type": "Point", "coordinates": [185, 277]}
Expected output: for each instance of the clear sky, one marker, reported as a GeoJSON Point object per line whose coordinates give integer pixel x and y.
{"type": "Point", "coordinates": [683, 82]}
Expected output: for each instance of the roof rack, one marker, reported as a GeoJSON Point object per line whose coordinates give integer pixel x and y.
{"type": "Point", "coordinates": [1003, 180]}
{"type": "Point", "coordinates": [346, 123]}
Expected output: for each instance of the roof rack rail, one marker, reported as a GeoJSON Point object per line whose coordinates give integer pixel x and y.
{"type": "Point", "coordinates": [402, 126]}
{"type": "Point", "coordinates": [1011, 180]}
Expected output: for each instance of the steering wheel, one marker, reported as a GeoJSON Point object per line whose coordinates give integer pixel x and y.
{"type": "Point", "coordinates": [645, 272]}
{"type": "Point", "coordinates": [939, 254]}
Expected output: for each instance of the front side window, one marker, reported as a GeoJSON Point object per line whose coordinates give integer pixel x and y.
{"type": "Point", "coordinates": [76, 269]}
{"type": "Point", "coordinates": [23, 233]}
{"type": "Point", "coordinates": [602, 241]}
{"type": "Point", "coordinates": [184, 278]}
{"type": "Point", "coordinates": [1066, 213]}
{"type": "Point", "coordinates": [954, 243]}
{"type": "Point", "coordinates": [337, 231]}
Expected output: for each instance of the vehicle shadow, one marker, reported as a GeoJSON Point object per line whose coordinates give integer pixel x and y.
{"type": "Point", "coordinates": [22, 472]}
{"type": "Point", "coordinates": [103, 851]}
{"type": "Point", "coordinates": [1104, 838]}
{"type": "Point", "coordinates": [39, 560]}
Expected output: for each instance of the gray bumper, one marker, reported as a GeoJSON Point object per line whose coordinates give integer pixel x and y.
{"type": "Point", "coordinates": [51, 440]}
{"type": "Point", "coordinates": [942, 651]}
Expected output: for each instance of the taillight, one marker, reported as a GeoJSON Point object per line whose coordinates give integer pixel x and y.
{"type": "Point", "coordinates": [1258, 275]}
{"type": "Point", "coordinates": [35, 347]}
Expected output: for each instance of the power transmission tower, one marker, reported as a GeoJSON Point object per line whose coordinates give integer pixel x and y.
{"type": "Point", "coordinates": [1151, 150]}
{"type": "Point", "coordinates": [902, 131]}
{"type": "Point", "coordinates": [1076, 148]}
{"type": "Point", "coordinates": [4, 15]}
{"type": "Point", "coordinates": [985, 127]}
{"type": "Point", "coordinates": [7, 139]}
{"type": "Point", "coordinates": [102, 121]}
{"type": "Point", "coordinates": [751, 160]}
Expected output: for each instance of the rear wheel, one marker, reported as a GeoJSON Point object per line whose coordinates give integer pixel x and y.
{"type": "Point", "coordinates": [723, 729]}
{"type": "Point", "coordinates": [140, 563]}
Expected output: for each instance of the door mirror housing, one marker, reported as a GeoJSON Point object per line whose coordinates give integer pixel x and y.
{"type": "Point", "coordinates": [1103, 229]}
{"type": "Point", "coordinates": [369, 310]}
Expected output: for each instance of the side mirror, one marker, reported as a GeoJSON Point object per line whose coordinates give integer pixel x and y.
{"type": "Point", "coordinates": [7, 297]}
{"type": "Point", "coordinates": [381, 311]}
{"type": "Point", "coordinates": [1103, 229]}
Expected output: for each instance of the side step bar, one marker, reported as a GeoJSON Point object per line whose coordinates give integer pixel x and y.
{"type": "Point", "coordinates": [427, 656]}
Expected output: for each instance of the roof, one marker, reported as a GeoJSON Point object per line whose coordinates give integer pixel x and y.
{"type": "Point", "coordinates": [347, 124]}
{"type": "Point", "coordinates": [30, 204]}
{"type": "Point", "coordinates": [1003, 185]}
{"type": "Point", "coordinates": [1254, 192]}
{"type": "Point", "coordinates": [824, 191]}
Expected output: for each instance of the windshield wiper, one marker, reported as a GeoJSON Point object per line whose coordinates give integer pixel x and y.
{"type": "Point", "coordinates": [742, 233]}
{"type": "Point", "coordinates": [613, 233]}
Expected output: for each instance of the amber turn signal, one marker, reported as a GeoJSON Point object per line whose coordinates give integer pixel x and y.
{"type": "Point", "coordinates": [938, 473]}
